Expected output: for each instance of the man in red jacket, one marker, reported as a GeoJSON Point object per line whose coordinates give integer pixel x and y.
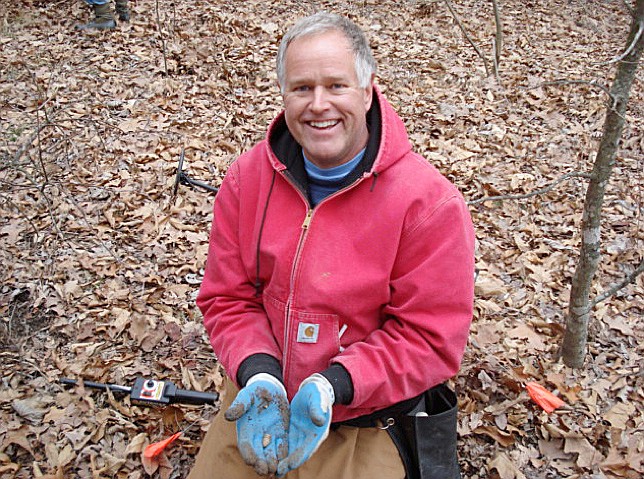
{"type": "Point", "coordinates": [339, 281]}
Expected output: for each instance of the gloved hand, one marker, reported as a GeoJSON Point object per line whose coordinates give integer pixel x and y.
{"type": "Point", "coordinates": [311, 411]}
{"type": "Point", "coordinates": [262, 413]}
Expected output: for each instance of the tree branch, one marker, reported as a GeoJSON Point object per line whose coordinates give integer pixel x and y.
{"type": "Point", "coordinates": [629, 49]}
{"type": "Point", "coordinates": [630, 9]}
{"type": "Point", "coordinates": [550, 187]}
{"type": "Point", "coordinates": [467, 36]}
{"type": "Point", "coordinates": [617, 286]}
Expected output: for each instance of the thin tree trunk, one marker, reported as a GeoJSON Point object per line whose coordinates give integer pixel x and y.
{"type": "Point", "coordinates": [579, 313]}
{"type": "Point", "coordinates": [498, 43]}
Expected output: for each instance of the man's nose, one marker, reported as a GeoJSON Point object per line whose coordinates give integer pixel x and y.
{"type": "Point", "coordinates": [320, 100]}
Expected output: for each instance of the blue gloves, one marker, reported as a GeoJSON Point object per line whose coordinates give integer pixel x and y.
{"type": "Point", "coordinates": [311, 410]}
{"type": "Point", "coordinates": [262, 413]}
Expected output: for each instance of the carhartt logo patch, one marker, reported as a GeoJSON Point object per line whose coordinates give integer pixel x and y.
{"type": "Point", "coordinates": [308, 333]}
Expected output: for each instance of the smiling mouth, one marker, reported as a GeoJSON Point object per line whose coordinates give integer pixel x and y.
{"type": "Point", "coordinates": [323, 124]}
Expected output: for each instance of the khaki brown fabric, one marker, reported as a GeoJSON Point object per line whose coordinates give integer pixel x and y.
{"type": "Point", "coordinates": [348, 453]}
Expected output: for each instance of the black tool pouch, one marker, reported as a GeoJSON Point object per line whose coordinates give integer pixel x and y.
{"type": "Point", "coordinates": [426, 438]}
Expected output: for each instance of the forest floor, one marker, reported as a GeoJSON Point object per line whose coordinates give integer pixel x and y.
{"type": "Point", "coordinates": [102, 262]}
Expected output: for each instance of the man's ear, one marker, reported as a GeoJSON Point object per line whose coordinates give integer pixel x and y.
{"type": "Point", "coordinates": [368, 92]}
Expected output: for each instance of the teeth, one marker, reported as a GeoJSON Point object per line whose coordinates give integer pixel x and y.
{"type": "Point", "coordinates": [323, 124]}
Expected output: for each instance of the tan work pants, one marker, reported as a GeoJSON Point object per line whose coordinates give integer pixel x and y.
{"type": "Point", "coordinates": [348, 453]}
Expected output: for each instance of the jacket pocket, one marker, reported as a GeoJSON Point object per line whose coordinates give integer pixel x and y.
{"type": "Point", "coordinates": [308, 340]}
{"type": "Point", "coordinates": [312, 341]}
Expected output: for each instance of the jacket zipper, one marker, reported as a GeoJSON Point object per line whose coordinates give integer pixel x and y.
{"type": "Point", "coordinates": [287, 320]}
{"type": "Point", "coordinates": [305, 227]}
{"type": "Point", "coordinates": [287, 313]}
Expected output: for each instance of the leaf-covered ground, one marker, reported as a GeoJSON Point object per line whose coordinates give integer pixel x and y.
{"type": "Point", "coordinates": [100, 264]}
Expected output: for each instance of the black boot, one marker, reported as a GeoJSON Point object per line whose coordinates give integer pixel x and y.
{"type": "Point", "coordinates": [103, 19]}
{"type": "Point", "coordinates": [122, 10]}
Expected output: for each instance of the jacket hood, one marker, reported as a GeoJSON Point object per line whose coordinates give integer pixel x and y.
{"type": "Point", "coordinates": [388, 141]}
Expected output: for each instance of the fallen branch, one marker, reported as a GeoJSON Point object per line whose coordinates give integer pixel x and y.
{"type": "Point", "coordinates": [467, 36]}
{"type": "Point", "coordinates": [550, 187]}
{"type": "Point", "coordinates": [618, 286]}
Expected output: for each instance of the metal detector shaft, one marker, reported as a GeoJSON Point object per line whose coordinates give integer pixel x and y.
{"type": "Point", "coordinates": [151, 391]}
{"type": "Point", "coordinates": [182, 178]}
{"type": "Point", "coordinates": [186, 180]}
{"type": "Point", "coordinates": [101, 386]}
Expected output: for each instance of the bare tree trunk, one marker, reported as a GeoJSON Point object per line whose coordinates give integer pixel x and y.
{"type": "Point", "coordinates": [574, 344]}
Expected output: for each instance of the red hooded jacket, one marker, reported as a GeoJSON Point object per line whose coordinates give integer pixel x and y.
{"type": "Point", "coordinates": [378, 277]}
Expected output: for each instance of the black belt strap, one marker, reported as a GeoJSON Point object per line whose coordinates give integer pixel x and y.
{"type": "Point", "coordinates": [380, 417]}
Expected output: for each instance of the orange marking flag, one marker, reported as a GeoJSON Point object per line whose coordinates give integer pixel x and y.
{"type": "Point", "coordinates": [544, 398]}
{"type": "Point", "coordinates": [157, 448]}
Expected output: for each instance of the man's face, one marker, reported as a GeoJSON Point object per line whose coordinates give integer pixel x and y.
{"type": "Point", "coordinates": [324, 105]}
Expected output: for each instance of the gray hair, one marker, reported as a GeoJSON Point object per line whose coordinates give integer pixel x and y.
{"type": "Point", "coordinates": [323, 22]}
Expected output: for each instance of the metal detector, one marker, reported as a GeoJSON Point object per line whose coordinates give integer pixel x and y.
{"type": "Point", "coordinates": [182, 178]}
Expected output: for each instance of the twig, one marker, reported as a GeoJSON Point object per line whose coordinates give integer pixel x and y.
{"type": "Point", "coordinates": [25, 146]}
{"type": "Point", "coordinates": [629, 49]}
{"type": "Point", "coordinates": [165, 59]}
{"type": "Point", "coordinates": [467, 36]}
{"type": "Point", "coordinates": [22, 213]}
{"type": "Point", "coordinates": [617, 286]}
{"type": "Point", "coordinates": [594, 83]}
{"type": "Point", "coordinates": [51, 214]}
{"type": "Point", "coordinates": [103, 244]}
{"type": "Point", "coordinates": [42, 163]}
{"type": "Point", "coordinates": [41, 188]}
{"type": "Point", "coordinates": [550, 187]}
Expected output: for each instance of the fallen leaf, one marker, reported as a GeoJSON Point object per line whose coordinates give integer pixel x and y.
{"type": "Point", "coordinates": [505, 467]}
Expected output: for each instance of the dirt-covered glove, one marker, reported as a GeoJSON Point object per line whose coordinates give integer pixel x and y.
{"type": "Point", "coordinates": [311, 411]}
{"type": "Point", "coordinates": [262, 413]}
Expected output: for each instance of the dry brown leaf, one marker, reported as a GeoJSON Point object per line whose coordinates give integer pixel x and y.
{"type": "Point", "coordinates": [505, 467]}
{"type": "Point", "coordinates": [619, 415]}
{"type": "Point", "coordinates": [99, 241]}
{"type": "Point", "coordinates": [587, 455]}
{"type": "Point", "coordinates": [137, 444]}
{"type": "Point", "coordinates": [33, 409]}
{"type": "Point", "coordinates": [504, 438]}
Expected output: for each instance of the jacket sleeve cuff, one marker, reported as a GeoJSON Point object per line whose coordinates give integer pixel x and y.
{"type": "Point", "coordinates": [258, 363]}
{"type": "Point", "coordinates": [341, 381]}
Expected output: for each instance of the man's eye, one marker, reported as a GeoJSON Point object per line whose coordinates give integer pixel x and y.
{"type": "Point", "coordinates": [301, 88]}
{"type": "Point", "coordinates": [337, 86]}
